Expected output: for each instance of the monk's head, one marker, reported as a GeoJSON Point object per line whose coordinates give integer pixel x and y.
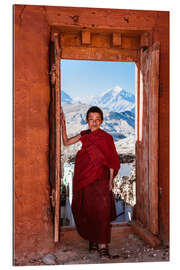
{"type": "Point", "coordinates": [94, 118]}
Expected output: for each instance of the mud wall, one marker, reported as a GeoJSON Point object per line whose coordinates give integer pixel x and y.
{"type": "Point", "coordinates": [32, 218]}
{"type": "Point", "coordinates": [33, 230]}
{"type": "Point", "coordinates": [161, 34]}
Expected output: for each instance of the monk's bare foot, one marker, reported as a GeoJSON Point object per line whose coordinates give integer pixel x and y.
{"type": "Point", "coordinates": [104, 251]}
{"type": "Point", "coordinates": [93, 247]}
{"type": "Point", "coordinates": [103, 246]}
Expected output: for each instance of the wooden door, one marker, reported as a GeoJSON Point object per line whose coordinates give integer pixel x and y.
{"type": "Point", "coordinates": [147, 140]}
{"type": "Point", "coordinates": [55, 132]}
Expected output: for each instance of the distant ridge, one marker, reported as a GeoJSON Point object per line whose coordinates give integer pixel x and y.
{"type": "Point", "coordinates": [115, 99]}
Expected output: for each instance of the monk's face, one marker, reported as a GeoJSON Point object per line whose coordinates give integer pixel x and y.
{"type": "Point", "coordinates": [94, 121]}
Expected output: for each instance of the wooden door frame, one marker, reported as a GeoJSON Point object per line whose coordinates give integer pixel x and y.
{"type": "Point", "coordinates": [55, 131]}
{"type": "Point", "coordinates": [84, 51]}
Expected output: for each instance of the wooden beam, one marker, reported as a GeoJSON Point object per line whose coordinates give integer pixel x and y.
{"type": "Point", "coordinates": [101, 18]}
{"type": "Point", "coordinates": [86, 37]}
{"type": "Point", "coordinates": [146, 235]}
{"type": "Point", "coordinates": [144, 40]}
{"type": "Point", "coordinates": [99, 54]}
{"type": "Point", "coordinates": [119, 231]}
{"type": "Point", "coordinates": [116, 39]}
{"type": "Point", "coordinates": [99, 40]}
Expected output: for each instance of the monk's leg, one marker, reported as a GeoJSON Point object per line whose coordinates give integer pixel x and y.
{"type": "Point", "coordinates": [92, 212]}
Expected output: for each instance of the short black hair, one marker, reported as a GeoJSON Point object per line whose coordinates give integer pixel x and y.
{"type": "Point", "coordinates": [94, 109]}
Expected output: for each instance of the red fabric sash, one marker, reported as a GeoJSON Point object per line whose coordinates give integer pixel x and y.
{"type": "Point", "coordinates": [98, 153]}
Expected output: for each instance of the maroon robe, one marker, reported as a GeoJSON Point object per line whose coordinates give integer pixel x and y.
{"type": "Point", "coordinates": [93, 204]}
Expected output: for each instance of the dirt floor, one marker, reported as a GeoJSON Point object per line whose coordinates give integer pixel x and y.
{"type": "Point", "coordinates": [129, 249]}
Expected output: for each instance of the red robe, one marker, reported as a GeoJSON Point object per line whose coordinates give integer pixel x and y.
{"type": "Point", "coordinates": [93, 204]}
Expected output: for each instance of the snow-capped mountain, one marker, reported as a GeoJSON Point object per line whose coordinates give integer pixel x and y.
{"type": "Point", "coordinates": [115, 99]}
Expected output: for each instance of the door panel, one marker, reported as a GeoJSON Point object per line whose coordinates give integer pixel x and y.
{"type": "Point", "coordinates": [142, 155]}
{"type": "Point", "coordinates": [153, 138]}
{"type": "Point", "coordinates": [147, 140]}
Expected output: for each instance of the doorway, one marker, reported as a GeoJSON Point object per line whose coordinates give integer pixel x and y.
{"type": "Point", "coordinates": [80, 45]}
{"type": "Point", "coordinates": [111, 86]}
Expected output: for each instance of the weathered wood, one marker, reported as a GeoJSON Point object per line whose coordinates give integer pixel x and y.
{"type": "Point", "coordinates": [86, 37]}
{"type": "Point", "coordinates": [146, 235]}
{"type": "Point", "coordinates": [137, 98]}
{"type": "Point", "coordinates": [120, 231]}
{"type": "Point", "coordinates": [58, 139]}
{"type": "Point", "coordinates": [153, 138]}
{"type": "Point", "coordinates": [101, 18]}
{"type": "Point", "coordinates": [52, 125]}
{"type": "Point", "coordinates": [55, 133]}
{"type": "Point", "coordinates": [116, 39]}
{"type": "Point", "coordinates": [99, 54]}
{"type": "Point", "coordinates": [122, 225]}
{"type": "Point", "coordinates": [100, 31]}
{"type": "Point", "coordinates": [100, 40]}
{"type": "Point", "coordinates": [144, 40]}
{"type": "Point", "coordinates": [147, 144]}
{"type": "Point", "coordinates": [130, 42]}
{"type": "Point", "coordinates": [142, 154]}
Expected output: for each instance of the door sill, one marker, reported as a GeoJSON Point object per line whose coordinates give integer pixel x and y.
{"type": "Point", "coordinates": [113, 225]}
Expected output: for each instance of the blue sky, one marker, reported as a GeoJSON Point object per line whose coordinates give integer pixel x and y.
{"type": "Point", "coordinates": [85, 78]}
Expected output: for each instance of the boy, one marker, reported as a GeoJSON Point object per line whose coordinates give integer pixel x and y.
{"type": "Point", "coordinates": [96, 164]}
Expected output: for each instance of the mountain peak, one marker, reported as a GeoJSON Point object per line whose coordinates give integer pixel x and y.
{"type": "Point", "coordinates": [117, 88]}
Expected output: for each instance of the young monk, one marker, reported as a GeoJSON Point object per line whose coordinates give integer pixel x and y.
{"type": "Point", "coordinates": [96, 164]}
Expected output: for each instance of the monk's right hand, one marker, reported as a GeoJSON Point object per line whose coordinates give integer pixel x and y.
{"type": "Point", "coordinates": [63, 120]}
